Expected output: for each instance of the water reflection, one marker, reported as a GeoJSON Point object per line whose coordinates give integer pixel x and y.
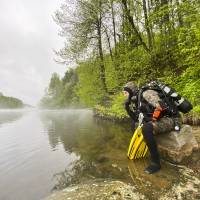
{"type": "Point", "coordinates": [100, 145]}
{"type": "Point", "coordinates": [9, 116]}
{"type": "Point", "coordinates": [83, 135]}
{"type": "Point", "coordinates": [65, 126]}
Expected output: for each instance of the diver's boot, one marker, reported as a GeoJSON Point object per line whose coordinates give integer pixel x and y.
{"type": "Point", "coordinates": [153, 168]}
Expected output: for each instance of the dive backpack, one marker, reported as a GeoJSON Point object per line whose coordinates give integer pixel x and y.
{"type": "Point", "coordinates": [170, 95]}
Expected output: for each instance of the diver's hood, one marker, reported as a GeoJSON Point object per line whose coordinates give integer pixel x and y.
{"type": "Point", "coordinates": [131, 88]}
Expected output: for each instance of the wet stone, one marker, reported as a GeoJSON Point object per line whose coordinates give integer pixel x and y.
{"type": "Point", "coordinates": [177, 146]}
{"type": "Point", "coordinates": [109, 190]}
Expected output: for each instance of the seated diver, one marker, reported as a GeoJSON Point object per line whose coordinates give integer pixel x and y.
{"type": "Point", "coordinates": [157, 118]}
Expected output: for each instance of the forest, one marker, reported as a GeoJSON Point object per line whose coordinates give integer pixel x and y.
{"type": "Point", "coordinates": [111, 42]}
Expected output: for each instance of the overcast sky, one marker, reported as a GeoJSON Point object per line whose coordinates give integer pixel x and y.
{"type": "Point", "coordinates": [28, 36]}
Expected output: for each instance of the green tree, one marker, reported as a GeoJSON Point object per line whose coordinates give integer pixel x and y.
{"type": "Point", "coordinates": [85, 28]}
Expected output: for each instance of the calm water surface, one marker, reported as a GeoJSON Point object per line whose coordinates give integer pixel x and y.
{"type": "Point", "coordinates": [45, 150]}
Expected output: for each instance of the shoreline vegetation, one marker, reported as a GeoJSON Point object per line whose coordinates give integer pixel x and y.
{"type": "Point", "coordinates": [113, 42]}
{"type": "Point", "coordinates": [10, 102]}
{"type": "Point", "coordinates": [104, 113]}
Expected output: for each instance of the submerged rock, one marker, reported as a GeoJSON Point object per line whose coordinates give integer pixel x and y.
{"type": "Point", "coordinates": [173, 182]}
{"type": "Point", "coordinates": [103, 190]}
{"type": "Point", "coordinates": [177, 146]}
{"type": "Point", "coordinates": [186, 188]}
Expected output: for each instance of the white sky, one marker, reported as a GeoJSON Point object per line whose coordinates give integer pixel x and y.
{"type": "Point", "coordinates": [28, 36]}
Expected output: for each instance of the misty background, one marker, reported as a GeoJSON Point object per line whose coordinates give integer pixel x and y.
{"type": "Point", "coordinates": [28, 36]}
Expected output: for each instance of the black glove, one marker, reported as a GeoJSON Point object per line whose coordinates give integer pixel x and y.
{"type": "Point", "coordinates": [132, 114]}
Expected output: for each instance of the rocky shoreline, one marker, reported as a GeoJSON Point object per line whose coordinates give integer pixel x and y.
{"type": "Point", "coordinates": [99, 189]}
{"type": "Point", "coordinates": [160, 186]}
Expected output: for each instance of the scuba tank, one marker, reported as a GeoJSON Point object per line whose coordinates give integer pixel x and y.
{"type": "Point", "coordinates": [182, 104]}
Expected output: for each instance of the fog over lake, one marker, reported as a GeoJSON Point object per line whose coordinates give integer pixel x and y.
{"type": "Point", "coordinates": [28, 36]}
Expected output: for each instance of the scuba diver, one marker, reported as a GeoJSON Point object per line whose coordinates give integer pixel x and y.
{"type": "Point", "coordinates": [159, 117]}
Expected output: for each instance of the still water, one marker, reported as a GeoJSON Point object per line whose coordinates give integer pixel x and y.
{"type": "Point", "coordinates": [50, 149]}
{"type": "Point", "coordinates": [45, 150]}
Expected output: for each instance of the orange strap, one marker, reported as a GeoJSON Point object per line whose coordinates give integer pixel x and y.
{"type": "Point", "coordinates": [156, 114]}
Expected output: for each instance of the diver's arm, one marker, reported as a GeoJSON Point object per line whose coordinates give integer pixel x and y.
{"type": "Point", "coordinates": [131, 113]}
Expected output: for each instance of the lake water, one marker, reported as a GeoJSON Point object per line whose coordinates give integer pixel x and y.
{"type": "Point", "coordinates": [39, 147]}
{"type": "Point", "coordinates": [45, 150]}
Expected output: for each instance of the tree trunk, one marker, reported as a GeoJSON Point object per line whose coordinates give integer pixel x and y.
{"type": "Point", "coordinates": [101, 56]}
{"type": "Point", "coordinates": [130, 19]}
{"type": "Point", "coordinates": [149, 37]}
{"type": "Point", "coordinates": [165, 19]}
{"type": "Point", "coordinates": [149, 10]}
{"type": "Point", "coordinates": [108, 40]}
{"type": "Point", "coordinates": [113, 21]}
{"type": "Point", "coordinates": [180, 19]}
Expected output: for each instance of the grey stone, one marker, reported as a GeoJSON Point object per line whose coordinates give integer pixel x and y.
{"type": "Point", "coordinates": [177, 146]}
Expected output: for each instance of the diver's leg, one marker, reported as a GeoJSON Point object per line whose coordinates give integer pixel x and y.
{"type": "Point", "coordinates": [147, 131]}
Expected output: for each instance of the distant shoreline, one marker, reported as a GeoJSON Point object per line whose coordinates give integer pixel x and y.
{"type": "Point", "coordinates": [11, 102]}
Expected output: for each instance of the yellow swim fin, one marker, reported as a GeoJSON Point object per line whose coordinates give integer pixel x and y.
{"type": "Point", "coordinates": [137, 147]}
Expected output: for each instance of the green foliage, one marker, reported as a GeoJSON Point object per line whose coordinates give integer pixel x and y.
{"type": "Point", "coordinates": [118, 105]}
{"type": "Point", "coordinates": [89, 88]}
{"type": "Point", "coordinates": [69, 81]}
{"type": "Point", "coordinates": [61, 92]}
{"type": "Point", "coordinates": [111, 75]}
{"type": "Point", "coordinates": [132, 43]}
{"type": "Point", "coordinates": [132, 65]}
{"type": "Point", "coordinates": [189, 83]}
{"type": "Point", "coordinates": [197, 110]}
{"type": "Point", "coordinates": [55, 86]}
{"type": "Point", "coordinates": [116, 110]}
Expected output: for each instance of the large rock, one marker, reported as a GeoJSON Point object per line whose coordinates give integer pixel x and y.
{"type": "Point", "coordinates": [177, 146]}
